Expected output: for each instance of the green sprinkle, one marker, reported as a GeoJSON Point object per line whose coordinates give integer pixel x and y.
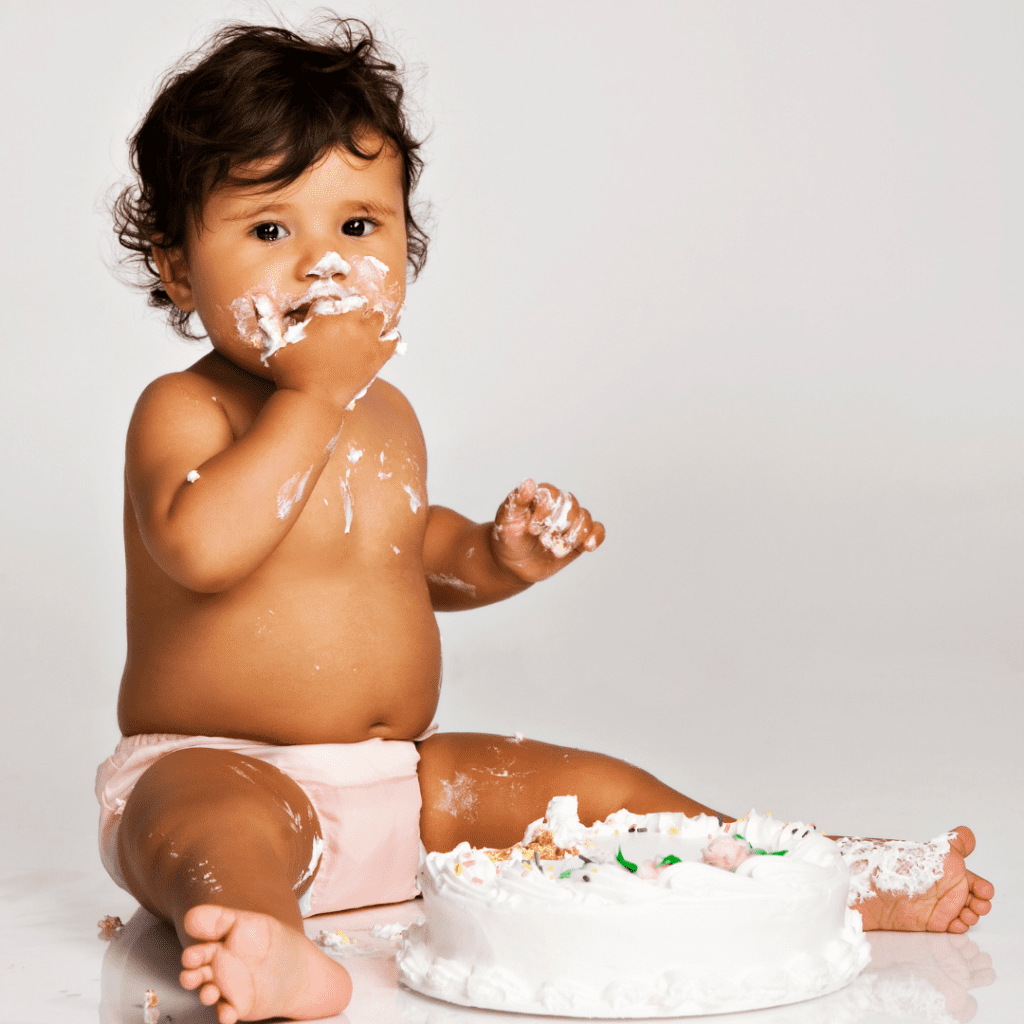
{"type": "Point", "coordinates": [670, 859]}
{"type": "Point", "coordinates": [625, 863]}
{"type": "Point", "coordinates": [778, 853]}
{"type": "Point", "coordinates": [566, 873]}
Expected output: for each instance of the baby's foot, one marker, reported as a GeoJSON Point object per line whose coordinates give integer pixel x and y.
{"type": "Point", "coordinates": [252, 966]}
{"type": "Point", "coordinates": [952, 904]}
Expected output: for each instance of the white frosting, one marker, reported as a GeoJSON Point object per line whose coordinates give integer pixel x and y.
{"type": "Point", "coordinates": [346, 497]}
{"type": "Point", "coordinates": [329, 264]}
{"type": "Point", "coordinates": [333, 443]}
{"type": "Point", "coordinates": [192, 476]}
{"type": "Point", "coordinates": [306, 899]}
{"type": "Point", "coordinates": [893, 865]}
{"type": "Point", "coordinates": [339, 944]}
{"type": "Point", "coordinates": [588, 937]}
{"type": "Point", "coordinates": [269, 320]}
{"type": "Point", "coordinates": [351, 405]}
{"type": "Point", "coordinates": [290, 492]}
{"type": "Point", "coordinates": [556, 535]}
{"type": "Point", "coordinates": [446, 580]}
{"type": "Point", "coordinates": [414, 499]}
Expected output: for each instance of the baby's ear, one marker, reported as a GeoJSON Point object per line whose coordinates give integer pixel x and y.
{"type": "Point", "coordinates": [174, 275]}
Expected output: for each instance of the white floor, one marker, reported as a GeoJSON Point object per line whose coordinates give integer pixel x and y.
{"type": "Point", "coordinates": [55, 969]}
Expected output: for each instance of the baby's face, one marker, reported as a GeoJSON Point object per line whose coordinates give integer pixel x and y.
{"type": "Point", "coordinates": [263, 262]}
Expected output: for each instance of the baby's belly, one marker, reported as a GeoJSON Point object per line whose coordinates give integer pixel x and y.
{"type": "Point", "coordinates": [319, 663]}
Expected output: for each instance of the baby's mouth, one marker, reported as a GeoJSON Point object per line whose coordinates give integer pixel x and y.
{"type": "Point", "coordinates": [298, 314]}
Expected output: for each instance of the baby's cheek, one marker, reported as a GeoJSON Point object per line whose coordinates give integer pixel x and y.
{"type": "Point", "coordinates": [383, 287]}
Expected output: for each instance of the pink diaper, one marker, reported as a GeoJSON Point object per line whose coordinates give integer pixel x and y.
{"type": "Point", "coordinates": [366, 795]}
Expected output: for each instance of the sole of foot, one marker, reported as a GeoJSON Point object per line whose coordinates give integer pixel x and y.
{"type": "Point", "coordinates": [953, 904]}
{"type": "Point", "coordinates": [251, 966]}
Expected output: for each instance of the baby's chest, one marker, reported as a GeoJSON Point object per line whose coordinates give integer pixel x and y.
{"type": "Point", "coordinates": [371, 495]}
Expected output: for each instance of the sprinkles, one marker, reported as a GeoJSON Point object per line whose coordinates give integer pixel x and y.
{"type": "Point", "coordinates": [627, 864]}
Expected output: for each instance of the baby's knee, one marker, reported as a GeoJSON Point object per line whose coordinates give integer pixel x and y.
{"type": "Point", "coordinates": [199, 803]}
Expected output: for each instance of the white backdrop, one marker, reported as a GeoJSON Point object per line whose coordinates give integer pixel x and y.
{"type": "Point", "coordinates": [745, 277]}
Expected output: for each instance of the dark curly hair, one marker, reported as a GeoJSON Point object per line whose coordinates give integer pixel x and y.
{"type": "Point", "coordinates": [250, 93]}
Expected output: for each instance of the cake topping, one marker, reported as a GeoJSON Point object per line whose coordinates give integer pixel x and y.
{"type": "Point", "coordinates": [726, 852]}
{"type": "Point", "coordinates": [628, 865]}
{"type": "Point", "coordinates": [542, 845]}
{"type": "Point", "coordinates": [729, 852]}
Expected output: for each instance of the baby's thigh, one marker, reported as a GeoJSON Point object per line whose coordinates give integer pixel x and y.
{"type": "Point", "coordinates": [486, 789]}
{"type": "Point", "coordinates": [201, 804]}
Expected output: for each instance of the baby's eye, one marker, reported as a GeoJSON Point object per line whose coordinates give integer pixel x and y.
{"type": "Point", "coordinates": [269, 231]}
{"type": "Point", "coordinates": [359, 226]}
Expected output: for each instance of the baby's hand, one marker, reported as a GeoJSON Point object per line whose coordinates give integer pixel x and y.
{"type": "Point", "coordinates": [540, 529]}
{"type": "Point", "coordinates": [337, 355]}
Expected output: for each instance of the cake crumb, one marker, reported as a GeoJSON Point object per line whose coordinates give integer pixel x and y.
{"type": "Point", "coordinates": [110, 928]}
{"type": "Point", "coordinates": [333, 940]}
{"type": "Point", "coordinates": [542, 845]}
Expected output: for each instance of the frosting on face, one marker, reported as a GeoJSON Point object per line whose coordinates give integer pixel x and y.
{"type": "Point", "coordinates": [268, 319]}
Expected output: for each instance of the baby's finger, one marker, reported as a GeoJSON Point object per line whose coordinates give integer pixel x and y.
{"type": "Point", "coordinates": [580, 529]}
{"type": "Point", "coordinates": [550, 510]}
{"type": "Point", "coordinates": [596, 538]}
{"type": "Point", "coordinates": [516, 507]}
{"type": "Point", "coordinates": [524, 493]}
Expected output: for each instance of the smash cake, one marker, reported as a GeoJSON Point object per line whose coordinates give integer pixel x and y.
{"type": "Point", "coordinates": [640, 915]}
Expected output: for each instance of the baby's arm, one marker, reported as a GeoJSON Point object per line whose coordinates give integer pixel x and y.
{"type": "Point", "coordinates": [537, 531]}
{"type": "Point", "coordinates": [211, 507]}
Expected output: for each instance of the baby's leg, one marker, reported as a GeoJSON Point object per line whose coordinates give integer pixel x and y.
{"type": "Point", "coordinates": [487, 789]}
{"type": "Point", "coordinates": [216, 843]}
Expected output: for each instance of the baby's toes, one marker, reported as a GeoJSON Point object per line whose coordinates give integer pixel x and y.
{"type": "Point", "coordinates": [981, 888]}
{"type": "Point", "coordinates": [199, 954]}
{"type": "Point", "coordinates": [209, 994]}
{"type": "Point", "coordinates": [964, 842]}
{"type": "Point", "coordinates": [195, 978]}
{"type": "Point", "coordinates": [968, 916]}
{"type": "Point", "coordinates": [980, 907]}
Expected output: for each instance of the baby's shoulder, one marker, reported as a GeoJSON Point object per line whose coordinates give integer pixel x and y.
{"type": "Point", "coordinates": [200, 396]}
{"type": "Point", "coordinates": [391, 401]}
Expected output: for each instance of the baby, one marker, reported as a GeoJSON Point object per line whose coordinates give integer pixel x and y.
{"type": "Point", "coordinates": [284, 565]}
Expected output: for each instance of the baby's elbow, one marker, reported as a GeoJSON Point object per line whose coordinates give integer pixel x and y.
{"type": "Point", "coordinates": [200, 570]}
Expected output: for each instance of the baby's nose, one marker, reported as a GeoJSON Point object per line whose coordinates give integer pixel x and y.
{"type": "Point", "coordinates": [328, 265]}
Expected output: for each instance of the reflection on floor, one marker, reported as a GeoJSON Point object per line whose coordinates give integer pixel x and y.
{"type": "Point", "coordinates": [919, 977]}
